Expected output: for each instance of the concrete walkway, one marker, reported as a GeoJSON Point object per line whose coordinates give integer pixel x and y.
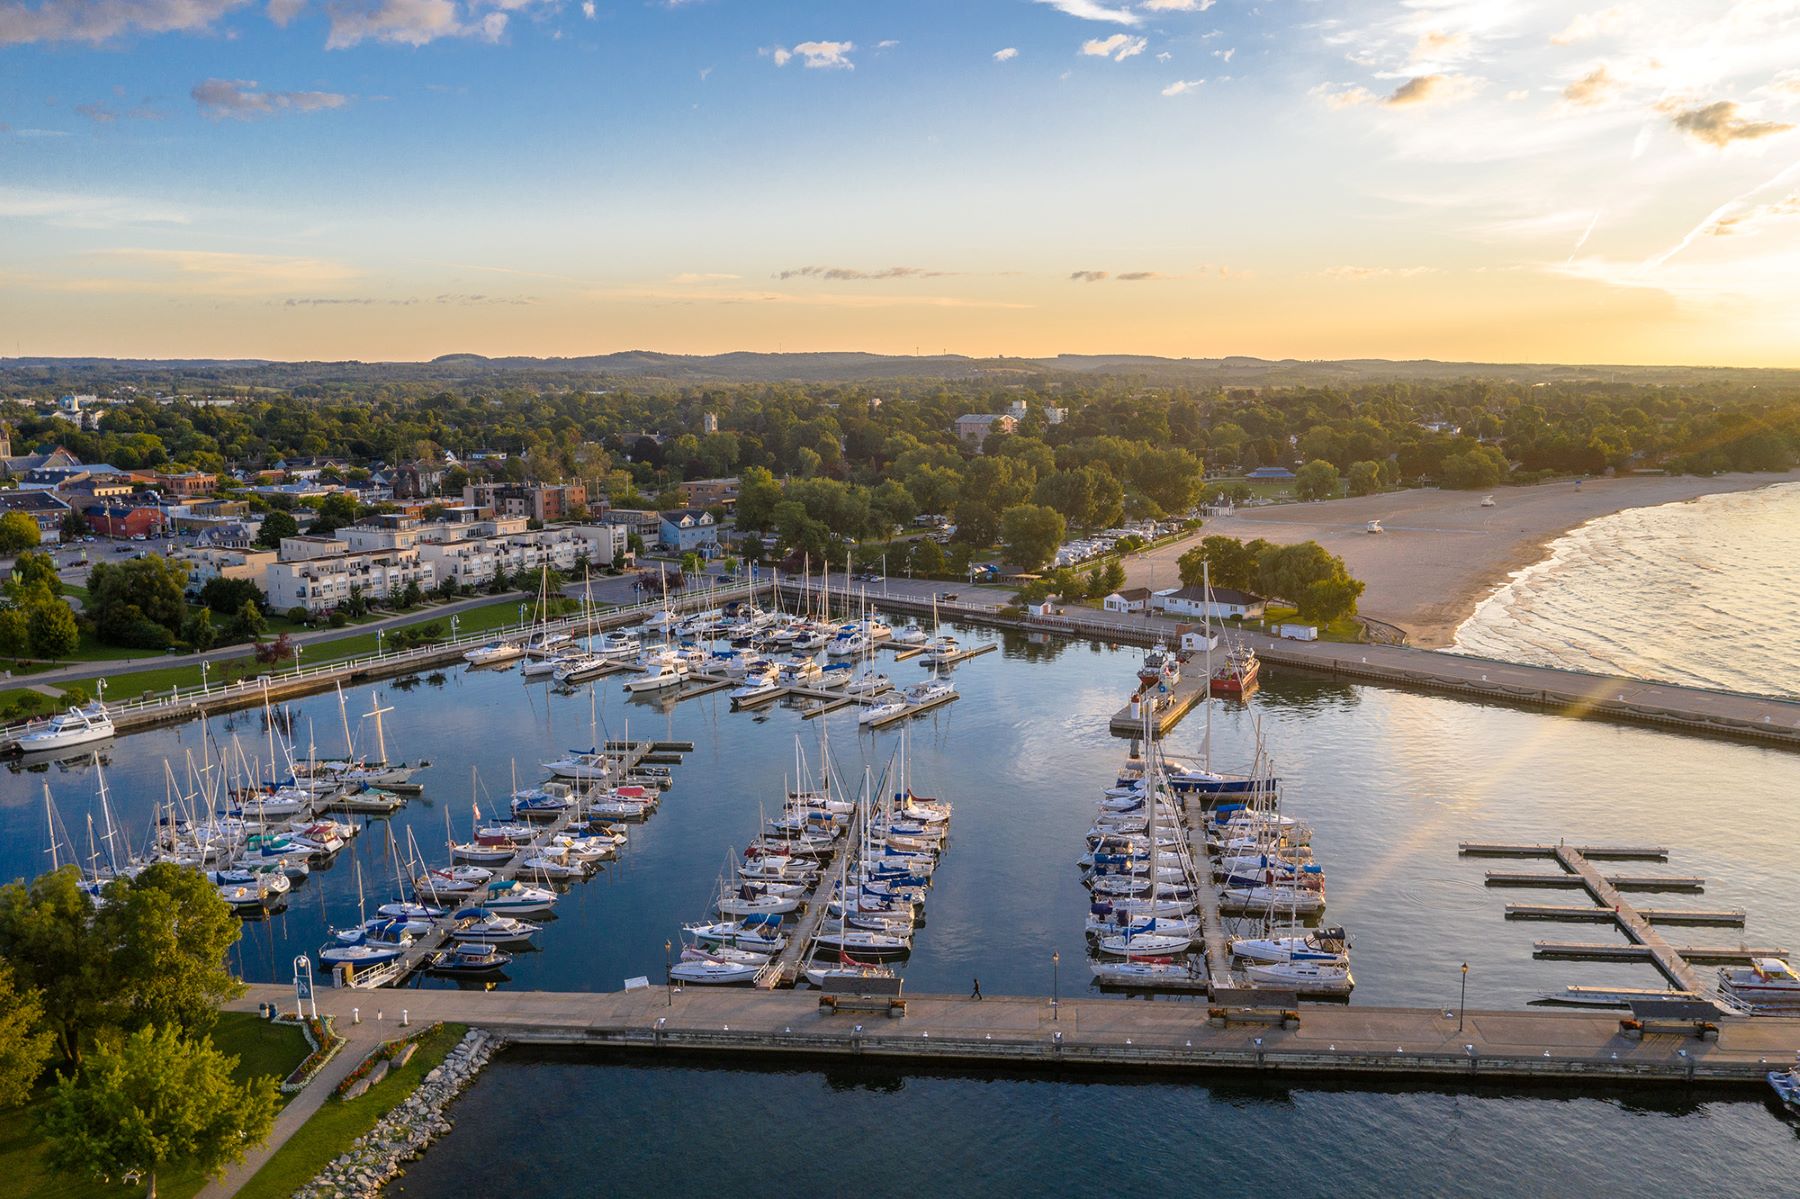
{"type": "Point", "coordinates": [361, 1040]}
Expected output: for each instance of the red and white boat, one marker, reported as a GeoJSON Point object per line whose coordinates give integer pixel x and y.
{"type": "Point", "coordinates": [1238, 675]}
{"type": "Point", "coordinates": [1766, 983]}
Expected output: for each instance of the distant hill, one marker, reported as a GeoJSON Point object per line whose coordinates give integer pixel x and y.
{"type": "Point", "coordinates": [28, 375]}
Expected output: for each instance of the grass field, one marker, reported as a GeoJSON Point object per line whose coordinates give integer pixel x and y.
{"type": "Point", "coordinates": [261, 1049]}
{"type": "Point", "coordinates": [335, 1125]}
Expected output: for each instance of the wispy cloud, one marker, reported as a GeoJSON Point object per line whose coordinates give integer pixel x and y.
{"type": "Point", "coordinates": [1421, 90]}
{"type": "Point", "coordinates": [1092, 10]}
{"type": "Point", "coordinates": [817, 55]}
{"type": "Point", "coordinates": [239, 99]}
{"type": "Point", "coordinates": [209, 272]}
{"type": "Point", "coordinates": [1377, 272]}
{"type": "Point", "coordinates": [106, 114]}
{"type": "Point", "coordinates": [410, 22]}
{"type": "Point", "coordinates": [105, 20]}
{"type": "Point", "coordinates": [844, 273]}
{"type": "Point", "coordinates": [85, 210]}
{"type": "Point", "coordinates": [1590, 25]}
{"type": "Point", "coordinates": [1118, 47]}
{"type": "Point", "coordinates": [283, 12]}
{"type": "Point", "coordinates": [1089, 276]}
{"type": "Point", "coordinates": [1006, 55]}
{"type": "Point", "coordinates": [1718, 124]}
{"type": "Point", "coordinates": [1595, 87]}
{"type": "Point", "coordinates": [1182, 87]}
{"type": "Point", "coordinates": [1178, 5]}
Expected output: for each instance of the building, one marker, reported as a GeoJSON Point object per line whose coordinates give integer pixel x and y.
{"type": "Point", "coordinates": [13, 465]}
{"type": "Point", "coordinates": [709, 422]}
{"type": "Point", "coordinates": [1275, 473]}
{"type": "Point", "coordinates": [416, 480]}
{"type": "Point", "coordinates": [1225, 603]}
{"type": "Point", "coordinates": [472, 552]}
{"type": "Point", "coordinates": [972, 430]}
{"type": "Point", "coordinates": [215, 561]}
{"type": "Point", "coordinates": [645, 522]}
{"type": "Point", "coordinates": [1132, 599]}
{"type": "Point", "coordinates": [124, 520]}
{"type": "Point", "coordinates": [546, 502]}
{"type": "Point", "coordinates": [710, 493]}
{"type": "Point", "coordinates": [42, 506]}
{"type": "Point", "coordinates": [187, 485]}
{"type": "Point", "coordinates": [689, 530]}
{"type": "Point", "coordinates": [319, 574]}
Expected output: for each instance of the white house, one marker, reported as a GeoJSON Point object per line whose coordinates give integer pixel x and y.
{"type": "Point", "coordinates": [1198, 641]}
{"type": "Point", "coordinates": [1225, 603]}
{"type": "Point", "coordinates": [1131, 599]}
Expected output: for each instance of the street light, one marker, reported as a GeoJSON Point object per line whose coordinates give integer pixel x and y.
{"type": "Point", "coordinates": [1463, 1003]}
{"type": "Point", "coordinates": [296, 657]}
{"type": "Point", "coordinates": [1056, 985]}
{"type": "Point", "coordinates": [668, 978]}
{"type": "Point", "coordinates": [204, 664]}
{"type": "Point", "coordinates": [378, 639]}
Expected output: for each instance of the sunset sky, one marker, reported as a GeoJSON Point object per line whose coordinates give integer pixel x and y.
{"type": "Point", "coordinates": [1502, 180]}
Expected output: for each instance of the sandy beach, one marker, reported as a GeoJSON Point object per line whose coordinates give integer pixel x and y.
{"type": "Point", "coordinates": [1442, 552]}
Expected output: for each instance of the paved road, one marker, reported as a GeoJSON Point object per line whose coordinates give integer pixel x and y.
{"type": "Point", "coordinates": [91, 670]}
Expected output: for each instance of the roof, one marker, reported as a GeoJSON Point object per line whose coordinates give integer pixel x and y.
{"type": "Point", "coordinates": [1131, 593]}
{"type": "Point", "coordinates": [30, 500]}
{"type": "Point", "coordinates": [676, 515]}
{"type": "Point", "coordinates": [1220, 595]}
{"type": "Point", "coordinates": [1270, 472]}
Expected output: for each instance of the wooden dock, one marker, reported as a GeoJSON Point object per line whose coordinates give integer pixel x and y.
{"type": "Point", "coordinates": [1184, 697]}
{"type": "Point", "coordinates": [1212, 923]}
{"type": "Point", "coordinates": [1580, 911]}
{"type": "Point", "coordinates": [1616, 951]}
{"type": "Point", "coordinates": [1405, 1044]}
{"type": "Point", "coordinates": [1622, 853]}
{"type": "Point", "coordinates": [785, 970]}
{"type": "Point", "coordinates": [912, 710]}
{"type": "Point", "coordinates": [1623, 882]}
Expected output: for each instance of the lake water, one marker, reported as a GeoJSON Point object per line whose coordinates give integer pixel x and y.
{"type": "Point", "coordinates": [1705, 592]}
{"type": "Point", "coordinates": [1391, 782]}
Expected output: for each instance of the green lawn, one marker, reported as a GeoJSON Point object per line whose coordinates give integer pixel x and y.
{"type": "Point", "coordinates": [1346, 630]}
{"type": "Point", "coordinates": [260, 1047]}
{"type": "Point", "coordinates": [335, 1125]}
{"type": "Point", "coordinates": [1262, 489]}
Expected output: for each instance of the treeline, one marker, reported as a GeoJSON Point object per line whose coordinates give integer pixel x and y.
{"type": "Point", "coordinates": [1306, 575]}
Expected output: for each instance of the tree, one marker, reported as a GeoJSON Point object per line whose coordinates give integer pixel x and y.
{"type": "Point", "coordinates": [1031, 533]}
{"type": "Point", "coordinates": [927, 557]}
{"type": "Point", "coordinates": [18, 533]}
{"type": "Point", "coordinates": [225, 595]}
{"type": "Point", "coordinates": [1232, 564]}
{"type": "Point", "coordinates": [138, 602]}
{"type": "Point", "coordinates": [1169, 477]}
{"type": "Point", "coordinates": [893, 505]}
{"type": "Point", "coordinates": [1479, 468]}
{"type": "Point", "coordinates": [335, 511]}
{"type": "Point", "coordinates": [247, 623]}
{"type": "Point", "coordinates": [25, 1042]}
{"type": "Point", "coordinates": [1365, 478]}
{"type": "Point", "coordinates": [34, 574]}
{"type": "Point", "coordinates": [74, 525]}
{"type": "Point", "coordinates": [15, 632]}
{"type": "Point", "coordinates": [275, 526]}
{"type": "Point", "coordinates": [198, 630]}
{"type": "Point", "coordinates": [152, 1102]}
{"type": "Point", "coordinates": [1311, 578]}
{"type": "Point", "coordinates": [169, 933]}
{"type": "Point", "coordinates": [1113, 578]}
{"type": "Point", "coordinates": [758, 493]}
{"type": "Point", "coordinates": [54, 633]}
{"type": "Point", "coordinates": [47, 934]}
{"type": "Point", "coordinates": [1317, 480]}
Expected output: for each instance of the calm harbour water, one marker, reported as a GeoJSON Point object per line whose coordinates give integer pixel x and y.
{"type": "Point", "coordinates": [1705, 592]}
{"type": "Point", "coordinates": [1390, 780]}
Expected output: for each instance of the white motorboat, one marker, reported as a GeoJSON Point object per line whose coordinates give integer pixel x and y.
{"type": "Point", "coordinates": [911, 634]}
{"type": "Point", "coordinates": [493, 653]}
{"type": "Point", "coordinates": [484, 851]}
{"type": "Point", "coordinates": [659, 675]}
{"type": "Point", "coordinates": [359, 955]}
{"type": "Point", "coordinates": [77, 726]}
{"type": "Point", "coordinates": [869, 682]}
{"type": "Point", "coordinates": [757, 684]}
{"type": "Point", "coordinates": [887, 710]}
{"type": "Point", "coordinates": [584, 765]}
{"type": "Point", "coordinates": [930, 691]}
{"type": "Point", "coordinates": [615, 645]}
{"type": "Point", "coordinates": [578, 668]}
{"type": "Point", "coordinates": [515, 898]}
{"type": "Point", "coordinates": [942, 652]}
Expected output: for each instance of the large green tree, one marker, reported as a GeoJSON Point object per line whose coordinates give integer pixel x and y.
{"type": "Point", "coordinates": [1317, 480]}
{"type": "Point", "coordinates": [54, 633]}
{"type": "Point", "coordinates": [1311, 578]}
{"type": "Point", "coordinates": [758, 493]}
{"type": "Point", "coordinates": [1031, 533]}
{"type": "Point", "coordinates": [1232, 563]}
{"type": "Point", "coordinates": [18, 532]}
{"type": "Point", "coordinates": [25, 1042]}
{"type": "Point", "coordinates": [138, 602]}
{"type": "Point", "coordinates": [47, 933]}
{"type": "Point", "coordinates": [170, 933]}
{"type": "Point", "coordinates": [275, 526]}
{"type": "Point", "coordinates": [1169, 477]}
{"type": "Point", "coordinates": [152, 1102]}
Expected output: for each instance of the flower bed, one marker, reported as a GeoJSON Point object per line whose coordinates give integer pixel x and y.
{"type": "Point", "coordinates": [388, 1051]}
{"type": "Point", "coordinates": [325, 1045]}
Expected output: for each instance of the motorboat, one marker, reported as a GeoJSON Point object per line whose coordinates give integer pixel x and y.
{"type": "Point", "coordinates": [614, 645]}
{"type": "Point", "coordinates": [477, 958]}
{"type": "Point", "coordinates": [1766, 983]}
{"type": "Point", "coordinates": [479, 924]}
{"type": "Point", "coordinates": [494, 653]}
{"type": "Point", "coordinates": [1239, 673]}
{"type": "Point", "coordinates": [869, 682]}
{"type": "Point", "coordinates": [514, 898]}
{"type": "Point", "coordinates": [361, 954]}
{"type": "Point", "coordinates": [1787, 1085]}
{"type": "Point", "coordinates": [757, 684]}
{"type": "Point", "coordinates": [1160, 666]}
{"type": "Point", "coordinates": [578, 668]}
{"type": "Point", "coordinates": [930, 691]}
{"type": "Point", "coordinates": [77, 726]}
{"type": "Point", "coordinates": [540, 803]}
{"type": "Point", "coordinates": [886, 710]}
{"type": "Point", "coordinates": [659, 674]}
{"type": "Point", "coordinates": [584, 765]}
{"type": "Point", "coordinates": [910, 634]}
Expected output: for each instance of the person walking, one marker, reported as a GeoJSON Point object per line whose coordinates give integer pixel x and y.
{"type": "Point", "coordinates": [976, 993]}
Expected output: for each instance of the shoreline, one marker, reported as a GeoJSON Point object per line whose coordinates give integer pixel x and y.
{"type": "Point", "coordinates": [1441, 554]}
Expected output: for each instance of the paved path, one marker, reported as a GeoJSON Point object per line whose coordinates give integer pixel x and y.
{"type": "Point", "coordinates": [361, 1040]}
{"type": "Point", "coordinates": [90, 670]}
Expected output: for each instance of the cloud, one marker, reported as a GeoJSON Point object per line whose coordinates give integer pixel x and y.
{"type": "Point", "coordinates": [844, 273]}
{"type": "Point", "coordinates": [212, 272]}
{"type": "Point", "coordinates": [104, 20]}
{"type": "Point", "coordinates": [1088, 276]}
{"type": "Point", "coordinates": [238, 98]}
{"type": "Point", "coordinates": [1349, 97]}
{"type": "Point", "coordinates": [408, 22]}
{"type": "Point", "coordinates": [817, 55]}
{"type": "Point", "coordinates": [886, 43]}
{"type": "Point", "coordinates": [588, 10]}
{"type": "Point", "coordinates": [1006, 55]}
{"type": "Point", "coordinates": [1118, 47]}
{"type": "Point", "coordinates": [1092, 10]}
{"type": "Point", "coordinates": [1753, 219]}
{"type": "Point", "coordinates": [1718, 124]}
{"type": "Point", "coordinates": [1590, 25]}
{"type": "Point", "coordinates": [1592, 88]}
{"type": "Point", "coordinates": [1139, 276]}
{"type": "Point", "coordinates": [84, 210]}
{"type": "Point", "coordinates": [1182, 86]}
{"type": "Point", "coordinates": [1421, 90]}
{"type": "Point", "coordinates": [282, 12]}
{"type": "Point", "coordinates": [1377, 272]}
{"type": "Point", "coordinates": [1436, 46]}
{"type": "Point", "coordinates": [1225, 55]}
{"type": "Point", "coordinates": [1178, 5]}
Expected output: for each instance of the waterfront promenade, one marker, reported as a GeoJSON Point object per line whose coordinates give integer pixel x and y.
{"type": "Point", "coordinates": [1407, 1043]}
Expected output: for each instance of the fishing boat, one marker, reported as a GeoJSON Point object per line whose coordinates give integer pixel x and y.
{"type": "Point", "coordinates": [476, 958]}
{"type": "Point", "coordinates": [1239, 673]}
{"type": "Point", "coordinates": [1765, 984]}
{"type": "Point", "coordinates": [494, 653]}
{"type": "Point", "coordinates": [77, 726]}
{"type": "Point", "coordinates": [1160, 666]}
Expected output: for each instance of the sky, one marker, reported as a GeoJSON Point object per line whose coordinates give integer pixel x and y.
{"type": "Point", "coordinates": [1492, 180]}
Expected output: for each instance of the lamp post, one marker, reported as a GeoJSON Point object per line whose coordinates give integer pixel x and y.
{"type": "Point", "coordinates": [378, 641]}
{"type": "Point", "coordinates": [1463, 1003]}
{"type": "Point", "coordinates": [668, 979]}
{"type": "Point", "coordinates": [453, 624]}
{"type": "Point", "coordinates": [204, 688]}
{"type": "Point", "coordinates": [1056, 985]}
{"type": "Point", "coordinates": [296, 657]}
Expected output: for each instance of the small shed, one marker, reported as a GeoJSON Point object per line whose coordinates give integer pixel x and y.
{"type": "Point", "coordinates": [1131, 599]}
{"type": "Point", "coordinates": [1199, 641]}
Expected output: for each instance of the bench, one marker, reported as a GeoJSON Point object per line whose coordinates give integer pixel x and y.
{"type": "Point", "coordinates": [1696, 1018]}
{"type": "Point", "coordinates": [890, 1005]}
{"type": "Point", "coordinates": [1252, 1006]}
